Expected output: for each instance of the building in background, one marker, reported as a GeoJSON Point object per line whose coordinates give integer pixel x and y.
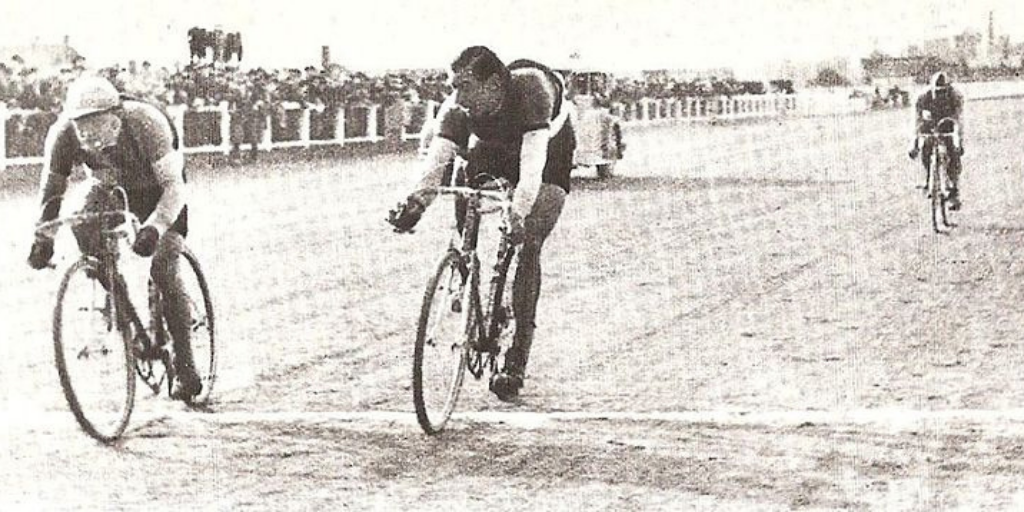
{"type": "Point", "coordinates": [46, 59]}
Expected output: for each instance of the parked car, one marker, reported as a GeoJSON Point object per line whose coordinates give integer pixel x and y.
{"type": "Point", "coordinates": [599, 141]}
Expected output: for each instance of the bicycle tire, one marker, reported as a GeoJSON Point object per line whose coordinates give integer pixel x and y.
{"type": "Point", "coordinates": [938, 201]}
{"type": "Point", "coordinates": [450, 270]}
{"type": "Point", "coordinates": [111, 321]}
{"type": "Point", "coordinates": [500, 312]}
{"type": "Point", "coordinates": [203, 321]}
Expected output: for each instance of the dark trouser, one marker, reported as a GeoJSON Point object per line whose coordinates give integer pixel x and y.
{"type": "Point", "coordinates": [955, 164]}
{"type": "Point", "coordinates": [526, 287]}
{"type": "Point", "coordinates": [164, 269]}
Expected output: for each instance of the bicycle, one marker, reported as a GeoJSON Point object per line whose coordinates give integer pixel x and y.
{"type": "Point", "coordinates": [93, 293]}
{"type": "Point", "coordinates": [477, 338]}
{"type": "Point", "coordinates": [937, 179]}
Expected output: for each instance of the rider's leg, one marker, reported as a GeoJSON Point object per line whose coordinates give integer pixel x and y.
{"type": "Point", "coordinates": [926, 161]}
{"type": "Point", "coordinates": [526, 287]}
{"type": "Point", "coordinates": [89, 235]}
{"type": "Point", "coordinates": [165, 270]}
{"type": "Point", "coordinates": [953, 173]}
{"type": "Point", "coordinates": [955, 166]}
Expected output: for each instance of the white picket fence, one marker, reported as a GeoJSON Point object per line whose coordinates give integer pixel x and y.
{"type": "Point", "coordinates": [807, 103]}
{"type": "Point", "coordinates": [723, 108]}
{"type": "Point", "coordinates": [177, 113]}
{"type": "Point", "coordinates": [644, 111]}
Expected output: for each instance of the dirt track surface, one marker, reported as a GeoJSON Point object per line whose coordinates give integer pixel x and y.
{"type": "Point", "coordinates": [747, 317]}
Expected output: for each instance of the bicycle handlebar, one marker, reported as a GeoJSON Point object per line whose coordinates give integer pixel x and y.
{"type": "Point", "coordinates": [498, 196]}
{"type": "Point", "coordinates": [501, 196]}
{"type": "Point", "coordinates": [127, 228]}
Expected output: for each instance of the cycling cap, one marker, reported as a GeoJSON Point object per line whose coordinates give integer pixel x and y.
{"type": "Point", "coordinates": [90, 94]}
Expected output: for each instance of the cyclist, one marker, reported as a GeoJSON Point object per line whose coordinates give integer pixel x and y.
{"type": "Point", "coordinates": [519, 120]}
{"type": "Point", "coordinates": [939, 102]}
{"type": "Point", "coordinates": [132, 144]}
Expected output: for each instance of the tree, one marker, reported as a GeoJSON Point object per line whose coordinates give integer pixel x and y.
{"type": "Point", "coordinates": [829, 77]}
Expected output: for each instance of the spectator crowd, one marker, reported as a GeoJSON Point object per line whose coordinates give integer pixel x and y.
{"type": "Point", "coordinates": [257, 93]}
{"type": "Point", "coordinates": [199, 84]}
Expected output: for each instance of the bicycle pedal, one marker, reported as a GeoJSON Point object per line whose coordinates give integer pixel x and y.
{"type": "Point", "coordinates": [457, 306]}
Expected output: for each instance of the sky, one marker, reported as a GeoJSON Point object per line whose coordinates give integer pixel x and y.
{"type": "Point", "coordinates": [375, 35]}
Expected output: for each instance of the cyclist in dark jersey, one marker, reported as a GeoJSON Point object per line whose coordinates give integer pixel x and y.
{"type": "Point", "coordinates": [941, 101]}
{"type": "Point", "coordinates": [522, 132]}
{"type": "Point", "coordinates": [131, 144]}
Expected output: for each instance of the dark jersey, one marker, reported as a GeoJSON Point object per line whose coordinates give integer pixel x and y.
{"type": "Point", "coordinates": [147, 136]}
{"type": "Point", "coordinates": [945, 104]}
{"type": "Point", "coordinates": [533, 101]}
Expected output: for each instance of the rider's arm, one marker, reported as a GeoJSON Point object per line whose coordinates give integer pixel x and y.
{"type": "Point", "coordinates": [919, 120]}
{"type": "Point", "coordinates": [168, 164]}
{"type": "Point", "coordinates": [450, 131]}
{"type": "Point", "coordinates": [58, 159]}
{"type": "Point", "coordinates": [539, 104]}
{"type": "Point", "coordinates": [533, 156]}
{"type": "Point", "coordinates": [170, 172]}
{"type": "Point", "coordinates": [431, 169]}
{"type": "Point", "coordinates": [958, 109]}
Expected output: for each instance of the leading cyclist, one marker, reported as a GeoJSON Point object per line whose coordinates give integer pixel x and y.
{"type": "Point", "coordinates": [940, 102]}
{"type": "Point", "coordinates": [519, 118]}
{"type": "Point", "coordinates": [131, 144]}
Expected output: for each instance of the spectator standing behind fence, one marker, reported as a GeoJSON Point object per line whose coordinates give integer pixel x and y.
{"type": "Point", "coordinates": [249, 103]}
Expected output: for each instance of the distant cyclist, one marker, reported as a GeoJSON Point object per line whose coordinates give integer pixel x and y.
{"type": "Point", "coordinates": [131, 144]}
{"type": "Point", "coordinates": [941, 101]}
{"type": "Point", "coordinates": [522, 131]}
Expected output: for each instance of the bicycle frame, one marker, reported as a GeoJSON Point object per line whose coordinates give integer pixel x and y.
{"type": "Point", "coordinates": [482, 327]}
{"type": "Point", "coordinates": [146, 348]}
{"type": "Point", "coordinates": [937, 178]}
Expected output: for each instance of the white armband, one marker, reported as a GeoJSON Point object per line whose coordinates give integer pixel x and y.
{"type": "Point", "coordinates": [169, 172]}
{"type": "Point", "coordinates": [532, 158]}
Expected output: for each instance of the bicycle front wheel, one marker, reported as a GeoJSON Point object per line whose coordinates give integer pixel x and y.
{"type": "Point", "coordinates": [938, 191]}
{"type": "Point", "coordinates": [92, 351]}
{"type": "Point", "coordinates": [441, 352]}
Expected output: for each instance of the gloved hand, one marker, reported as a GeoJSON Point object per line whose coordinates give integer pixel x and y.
{"type": "Point", "coordinates": [146, 241]}
{"type": "Point", "coordinates": [40, 254]}
{"type": "Point", "coordinates": [960, 150]}
{"type": "Point", "coordinates": [913, 153]}
{"type": "Point", "coordinates": [406, 215]}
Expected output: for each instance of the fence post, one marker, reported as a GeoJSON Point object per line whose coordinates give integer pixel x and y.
{"type": "Point", "coordinates": [339, 125]}
{"type": "Point", "coordinates": [371, 122]}
{"type": "Point", "coordinates": [3, 136]}
{"type": "Point", "coordinates": [225, 128]}
{"type": "Point", "coordinates": [268, 134]}
{"type": "Point", "coordinates": [304, 127]}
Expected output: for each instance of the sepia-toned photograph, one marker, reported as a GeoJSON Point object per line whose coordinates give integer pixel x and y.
{"type": "Point", "coordinates": [511, 255]}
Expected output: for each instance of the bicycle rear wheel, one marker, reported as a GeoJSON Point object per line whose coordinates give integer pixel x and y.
{"type": "Point", "coordinates": [501, 313]}
{"type": "Point", "coordinates": [202, 325]}
{"type": "Point", "coordinates": [92, 351]}
{"type": "Point", "coordinates": [441, 351]}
